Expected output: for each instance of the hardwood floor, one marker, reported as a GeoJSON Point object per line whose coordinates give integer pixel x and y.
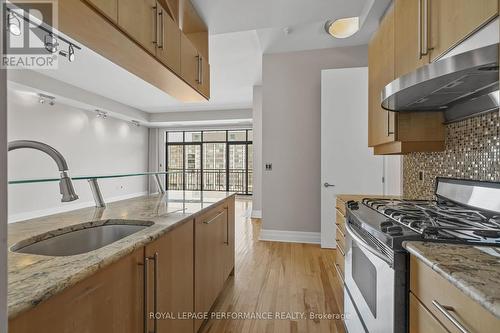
{"type": "Point", "coordinates": [293, 279]}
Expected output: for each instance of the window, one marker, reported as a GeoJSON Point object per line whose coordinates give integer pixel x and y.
{"type": "Point", "coordinates": [210, 161]}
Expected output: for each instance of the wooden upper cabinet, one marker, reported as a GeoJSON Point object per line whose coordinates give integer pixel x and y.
{"type": "Point", "coordinates": [175, 292]}
{"type": "Point", "coordinates": [189, 62]}
{"type": "Point", "coordinates": [452, 21]}
{"type": "Point", "coordinates": [408, 37]}
{"type": "Point", "coordinates": [108, 8]}
{"type": "Point", "coordinates": [380, 73]}
{"type": "Point", "coordinates": [110, 301]}
{"type": "Point", "coordinates": [168, 49]}
{"type": "Point", "coordinates": [138, 18]}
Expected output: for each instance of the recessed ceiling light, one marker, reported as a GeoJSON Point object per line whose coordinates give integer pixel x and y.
{"type": "Point", "coordinates": [42, 98]}
{"type": "Point", "coordinates": [342, 28]}
{"type": "Point", "coordinates": [101, 114]}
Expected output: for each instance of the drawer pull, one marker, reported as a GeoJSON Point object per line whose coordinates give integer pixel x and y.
{"type": "Point", "coordinates": [445, 310]}
{"type": "Point", "coordinates": [340, 231]}
{"type": "Point", "coordinates": [339, 272]}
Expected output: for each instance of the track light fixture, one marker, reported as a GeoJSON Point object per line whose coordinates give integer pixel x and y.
{"type": "Point", "coordinates": [70, 54]}
{"type": "Point", "coordinates": [51, 43]}
{"type": "Point", "coordinates": [14, 24]}
{"type": "Point", "coordinates": [135, 123]}
{"type": "Point", "coordinates": [101, 114]}
{"type": "Point", "coordinates": [42, 99]}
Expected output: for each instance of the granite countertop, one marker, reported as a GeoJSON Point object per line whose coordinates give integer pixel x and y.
{"type": "Point", "coordinates": [35, 278]}
{"type": "Point", "coordinates": [472, 269]}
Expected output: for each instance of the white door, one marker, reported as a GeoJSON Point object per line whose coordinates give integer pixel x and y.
{"type": "Point", "coordinates": [346, 161]}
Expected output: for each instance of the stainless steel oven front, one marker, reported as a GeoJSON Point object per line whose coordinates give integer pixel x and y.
{"type": "Point", "coordinates": [371, 283]}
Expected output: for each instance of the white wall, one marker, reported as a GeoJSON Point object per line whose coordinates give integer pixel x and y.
{"type": "Point", "coordinates": [291, 134]}
{"type": "Point", "coordinates": [90, 145]}
{"type": "Point", "coordinates": [257, 153]}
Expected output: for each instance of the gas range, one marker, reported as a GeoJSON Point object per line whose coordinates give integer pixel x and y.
{"type": "Point", "coordinates": [468, 217]}
{"type": "Point", "coordinates": [377, 265]}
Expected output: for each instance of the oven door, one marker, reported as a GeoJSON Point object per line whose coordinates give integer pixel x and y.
{"type": "Point", "coordinates": [369, 280]}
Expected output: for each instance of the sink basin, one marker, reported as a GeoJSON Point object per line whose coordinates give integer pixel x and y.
{"type": "Point", "coordinates": [78, 239]}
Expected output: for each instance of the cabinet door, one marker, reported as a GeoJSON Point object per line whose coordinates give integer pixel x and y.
{"type": "Point", "coordinates": [451, 21]}
{"type": "Point", "coordinates": [204, 84]}
{"type": "Point", "coordinates": [407, 36]}
{"type": "Point", "coordinates": [189, 62]}
{"type": "Point", "coordinates": [169, 41]}
{"type": "Point", "coordinates": [110, 301]}
{"type": "Point", "coordinates": [138, 19]}
{"type": "Point", "coordinates": [107, 7]}
{"type": "Point", "coordinates": [175, 260]}
{"type": "Point", "coordinates": [210, 231]}
{"type": "Point", "coordinates": [381, 123]}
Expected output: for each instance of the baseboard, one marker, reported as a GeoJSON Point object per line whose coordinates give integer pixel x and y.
{"type": "Point", "coordinates": [256, 214]}
{"type": "Point", "coordinates": [68, 207]}
{"type": "Point", "coordinates": [290, 236]}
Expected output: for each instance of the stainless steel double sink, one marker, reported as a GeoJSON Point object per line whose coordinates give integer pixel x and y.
{"type": "Point", "coordinates": [80, 239]}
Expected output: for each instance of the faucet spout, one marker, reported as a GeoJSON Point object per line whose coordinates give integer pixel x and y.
{"type": "Point", "coordinates": [65, 184]}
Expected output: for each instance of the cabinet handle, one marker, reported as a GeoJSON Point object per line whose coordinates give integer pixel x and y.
{"type": "Point", "coordinates": [197, 69]}
{"type": "Point", "coordinates": [423, 28]}
{"type": "Point", "coordinates": [445, 310]}
{"type": "Point", "coordinates": [155, 23]}
{"type": "Point", "coordinates": [161, 40]}
{"type": "Point", "coordinates": [389, 132]}
{"type": "Point", "coordinates": [154, 258]}
{"type": "Point", "coordinates": [227, 227]}
{"type": "Point", "coordinates": [145, 291]}
{"type": "Point", "coordinates": [340, 249]}
{"type": "Point", "coordinates": [201, 70]}
{"type": "Point", "coordinates": [214, 218]}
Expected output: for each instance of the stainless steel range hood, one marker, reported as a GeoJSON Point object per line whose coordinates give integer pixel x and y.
{"type": "Point", "coordinates": [463, 85]}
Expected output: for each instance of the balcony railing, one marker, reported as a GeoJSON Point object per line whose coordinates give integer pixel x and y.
{"type": "Point", "coordinates": [213, 180]}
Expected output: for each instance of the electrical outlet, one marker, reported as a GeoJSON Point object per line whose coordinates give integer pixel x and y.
{"type": "Point", "coordinates": [269, 166]}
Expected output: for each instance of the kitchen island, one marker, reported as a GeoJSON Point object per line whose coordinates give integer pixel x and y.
{"type": "Point", "coordinates": [34, 280]}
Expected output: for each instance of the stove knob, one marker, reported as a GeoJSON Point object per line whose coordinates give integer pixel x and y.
{"type": "Point", "coordinates": [352, 205]}
{"type": "Point", "coordinates": [386, 224]}
{"type": "Point", "coordinates": [394, 228]}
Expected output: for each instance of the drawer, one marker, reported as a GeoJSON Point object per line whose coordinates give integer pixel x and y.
{"type": "Point", "coordinates": [421, 320]}
{"type": "Point", "coordinates": [340, 204]}
{"type": "Point", "coordinates": [447, 303]}
{"type": "Point", "coordinates": [339, 262]}
{"type": "Point", "coordinates": [340, 221]}
{"type": "Point", "coordinates": [340, 238]}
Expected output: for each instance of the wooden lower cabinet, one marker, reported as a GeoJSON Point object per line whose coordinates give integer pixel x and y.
{"type": "Point", "coordinates": [193, 260]}
{"type": "Point", "coordinates": [174, 286]}
{"type": "Point", "coordinates": [110, 301]}
{"type": "Point", "coordinates": [438, 296]}
{"type": "Point", "coordinates": [214, 242]}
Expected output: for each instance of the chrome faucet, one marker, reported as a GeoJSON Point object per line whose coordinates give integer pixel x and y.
{"type": "Point", "coordinates": [65, 184]}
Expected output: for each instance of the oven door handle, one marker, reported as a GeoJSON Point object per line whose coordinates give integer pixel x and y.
{"type": "Point", "coordinates": [366, 246]}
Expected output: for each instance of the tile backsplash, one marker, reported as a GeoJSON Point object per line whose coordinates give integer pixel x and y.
{"type": "Point", "coordinates": [472, 152]}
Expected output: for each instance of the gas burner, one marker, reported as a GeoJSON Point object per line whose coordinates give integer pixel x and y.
{"type": "Point", "coordinates": [440, 220]}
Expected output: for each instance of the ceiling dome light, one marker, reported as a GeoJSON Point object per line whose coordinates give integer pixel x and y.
{"type": "Point", "coordinates": [342, 28]}
{"type": "Point", "coordinates": [14, 24]}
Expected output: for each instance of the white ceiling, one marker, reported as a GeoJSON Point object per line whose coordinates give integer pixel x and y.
{"type": "Point", "coordinates": [240, 32]}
